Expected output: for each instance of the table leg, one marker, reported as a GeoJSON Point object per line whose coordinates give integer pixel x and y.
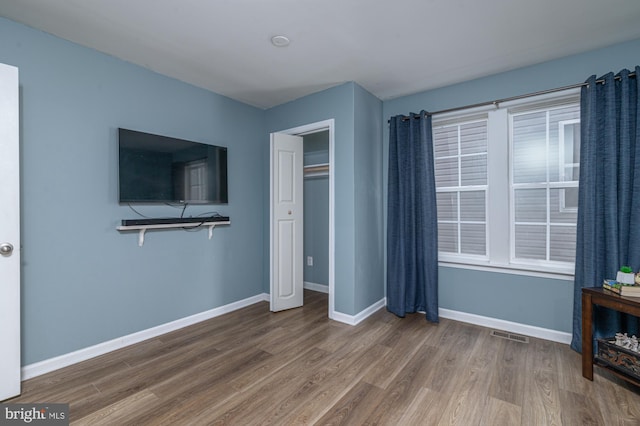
{"type": "Point", "coordinates": [587, 336]}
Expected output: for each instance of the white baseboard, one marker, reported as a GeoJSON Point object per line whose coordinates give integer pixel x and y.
{"type": "Point", "coordinates": [361, 316]}
{"type": "Point", "coordinates": [51, 364]}
{"type": "Point", "coordinates": [513, 327]}
{"type": "Point", "coordinates": [316, 287]}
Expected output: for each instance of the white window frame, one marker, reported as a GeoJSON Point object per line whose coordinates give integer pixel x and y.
{"type": "Point", "coordinates": [499, 203]}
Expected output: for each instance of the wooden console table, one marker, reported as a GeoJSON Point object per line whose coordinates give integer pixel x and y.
{"type": "Point", "coordinates": [601, 297]}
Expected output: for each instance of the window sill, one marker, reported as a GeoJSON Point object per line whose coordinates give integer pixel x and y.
{"type": "Point", "coordinates": [532, 271]}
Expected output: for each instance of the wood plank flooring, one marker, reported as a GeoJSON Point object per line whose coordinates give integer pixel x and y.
{"type": "Point", "coordinates": [254, 367]}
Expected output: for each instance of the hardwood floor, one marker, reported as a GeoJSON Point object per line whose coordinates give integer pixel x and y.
{"type": "Point", "coordinates": [297, 367]}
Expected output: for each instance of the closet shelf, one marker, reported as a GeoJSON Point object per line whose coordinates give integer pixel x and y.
{"type": "Point", "coordinates": [142, 229]}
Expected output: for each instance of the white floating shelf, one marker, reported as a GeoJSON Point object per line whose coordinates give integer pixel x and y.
{"type": "Point", "coordinates": [185, 225]}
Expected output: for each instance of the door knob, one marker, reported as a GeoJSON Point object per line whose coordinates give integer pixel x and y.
{"type": "Point", "coordinates": [6, 249]}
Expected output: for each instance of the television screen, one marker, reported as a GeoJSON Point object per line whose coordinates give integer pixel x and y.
{"type": "Point", "coordinates": [160, 169]}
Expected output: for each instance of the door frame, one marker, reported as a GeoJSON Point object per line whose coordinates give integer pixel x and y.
{"type": "Point", "coordinates": [307, 129]}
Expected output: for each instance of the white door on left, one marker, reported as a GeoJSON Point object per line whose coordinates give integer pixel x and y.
{"type": "Point", "coordinates": [9, 234]}
{"type": "Point", "coordinates": [286, 222]}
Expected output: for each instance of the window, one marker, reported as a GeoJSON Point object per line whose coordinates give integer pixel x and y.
{"type": "Point", "coordinates": [507, 184]}
{"type": "Point", "coordinates": [545, 149]}
{"type": "Point", "coordinates": [461, 187]}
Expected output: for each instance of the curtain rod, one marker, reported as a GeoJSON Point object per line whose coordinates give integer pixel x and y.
{"type": "Point", "coordinates": [515, 98]}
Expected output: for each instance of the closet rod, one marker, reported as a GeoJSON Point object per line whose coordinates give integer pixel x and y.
{"type": "Point", "coordinates": [515, 98]}
{"type": "Point", "coordinates": [316, 168]}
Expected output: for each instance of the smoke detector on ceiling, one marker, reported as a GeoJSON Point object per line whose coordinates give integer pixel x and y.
{"type": "Point", "coordinates": [280, 41]}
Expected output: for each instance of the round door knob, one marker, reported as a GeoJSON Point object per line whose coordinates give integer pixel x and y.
{"type": "Point", "coordinates": [6, 249]}
{"type": "Point", "coordinates": [289, 211]}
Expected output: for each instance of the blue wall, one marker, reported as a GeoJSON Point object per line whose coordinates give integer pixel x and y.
{"type": "Point", "coordinates": [369, 223]}
{"type": "Point", "coordinates": [84, 282]}
{"type": "Point", "coordinates": [316, 229]}
{"type": "Point", "coordinates": [316, 210]}
{"type": "Point", "coordinates": [358, 216]}
{"type": "Point", "coordinates": [336, 103]}
{"type": "Point", "coordinates": [541, 302]}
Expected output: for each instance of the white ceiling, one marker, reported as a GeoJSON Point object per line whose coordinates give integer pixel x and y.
{"type": "Point", "coordinates": [391, 48]}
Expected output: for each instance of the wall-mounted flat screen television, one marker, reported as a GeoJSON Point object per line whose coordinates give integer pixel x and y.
{"type": "Point", "coordinates": [160, 169]}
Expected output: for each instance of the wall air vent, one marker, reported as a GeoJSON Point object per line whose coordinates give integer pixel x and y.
{"type": "Point", "coordinates": [510, 336]}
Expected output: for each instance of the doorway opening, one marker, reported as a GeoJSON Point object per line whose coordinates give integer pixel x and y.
{"type": "Point", "coordinates": [319, 198]}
